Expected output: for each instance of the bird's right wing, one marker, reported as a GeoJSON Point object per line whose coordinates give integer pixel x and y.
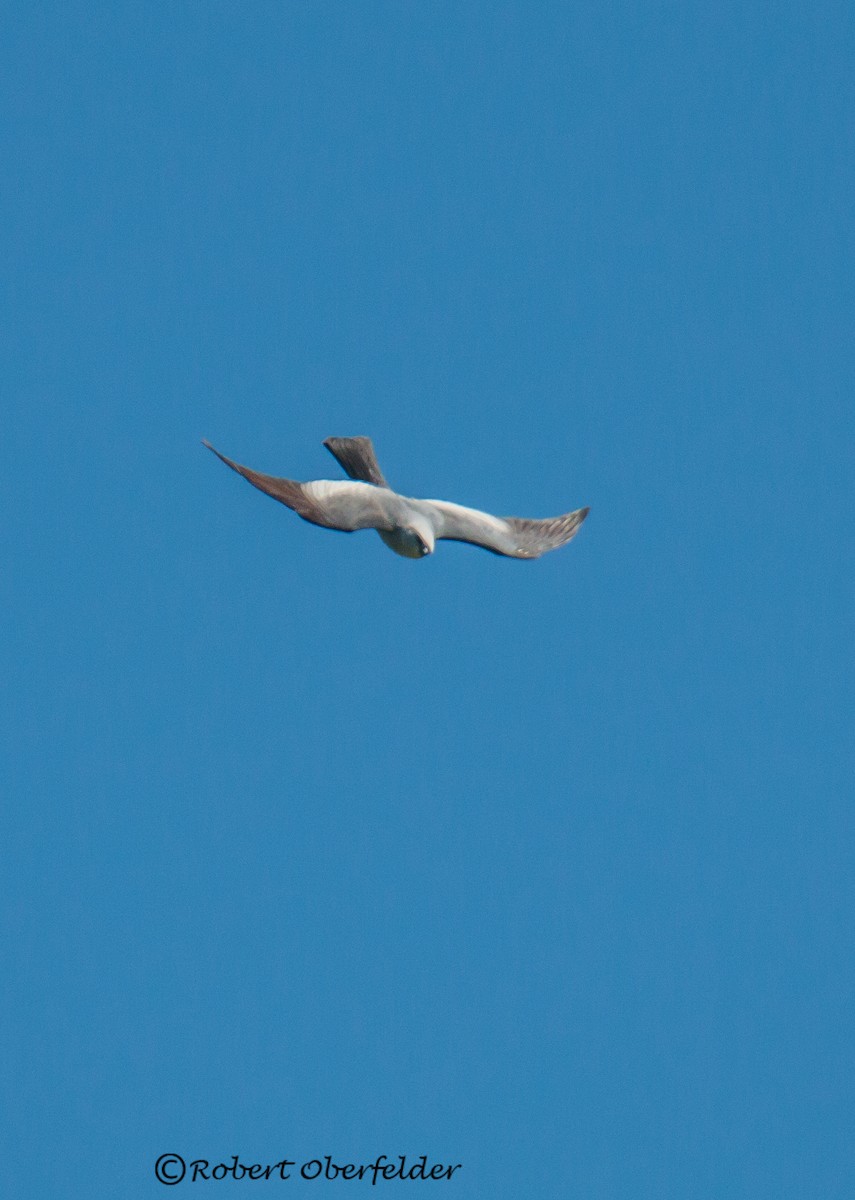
{"type": "Point", "coordinates": [516, 537]}
{"type": "Point", "coordinates": [356, 455]}
{"type": "Point", "coordinates": [335, 504]}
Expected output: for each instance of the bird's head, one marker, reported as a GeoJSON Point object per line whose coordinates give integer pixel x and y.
{"type": "Point", "coordinates": [421, 537]}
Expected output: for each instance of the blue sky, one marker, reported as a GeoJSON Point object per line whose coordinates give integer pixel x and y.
{"type": "Point", "coordinates": [542, 868]}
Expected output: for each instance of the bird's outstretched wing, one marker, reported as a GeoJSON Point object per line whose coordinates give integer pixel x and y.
{"type": "Point", "coordinates": [515, 537]}
{"type": "Point", "coordinates": [356, 455]}
{"type": "Point", "coordinates": [335, 504]}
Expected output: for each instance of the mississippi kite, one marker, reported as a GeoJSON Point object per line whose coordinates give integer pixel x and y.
{"type": "Point", "coordinates": [409, 527]}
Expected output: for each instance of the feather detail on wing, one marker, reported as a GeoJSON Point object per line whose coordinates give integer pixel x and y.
{"type": "Point", "coordinates": [516, 537]}
{"type": "Point", "coordinates": [356, 455]}
{"type": "Point", "coordinates": [536, 537]}
{"type": "Point", "coordinates": [335, 504]}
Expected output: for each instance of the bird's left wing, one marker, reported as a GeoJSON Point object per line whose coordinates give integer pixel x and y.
{"type": "Point", "coordinates": [516, 537]}
{"type": "Point", "coordinates": [335, 504]}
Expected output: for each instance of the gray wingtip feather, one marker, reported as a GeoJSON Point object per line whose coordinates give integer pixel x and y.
{"type": "Point", "coordinates": [234, 466]}
{"type": "Point", "coordinates": [537, 537]}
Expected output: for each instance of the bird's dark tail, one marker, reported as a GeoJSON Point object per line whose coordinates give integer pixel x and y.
{"type": "Point", "coordinates": [356, 455]}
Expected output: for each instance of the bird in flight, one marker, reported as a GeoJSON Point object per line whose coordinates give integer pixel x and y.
{"type": "Point", "coordinates": [409, 527]}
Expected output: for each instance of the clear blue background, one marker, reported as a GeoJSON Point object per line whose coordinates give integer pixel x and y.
{"type": "Point", "coordinates": [544, 868]}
